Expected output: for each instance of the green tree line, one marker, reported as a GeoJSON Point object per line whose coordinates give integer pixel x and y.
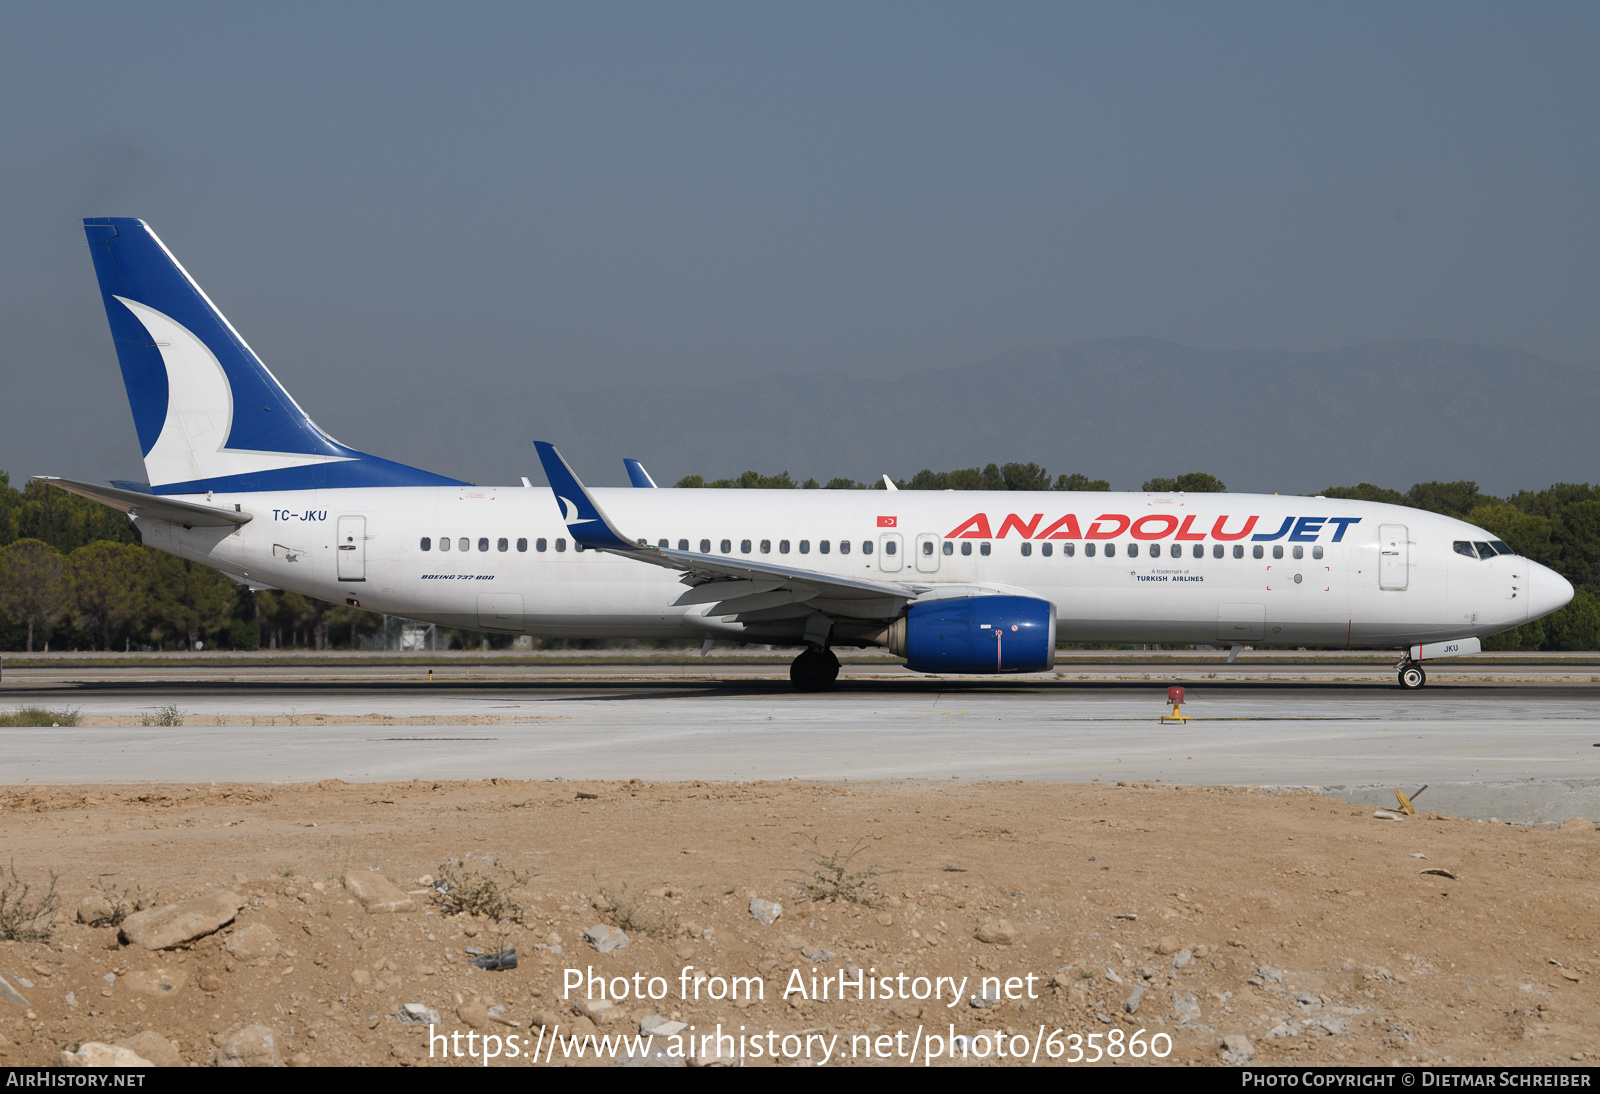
{"type": "Point", "coordinates": [74, 576]}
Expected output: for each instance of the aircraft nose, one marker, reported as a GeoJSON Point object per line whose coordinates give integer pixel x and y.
{"type": "Point", "coordinates": [1548, 591]}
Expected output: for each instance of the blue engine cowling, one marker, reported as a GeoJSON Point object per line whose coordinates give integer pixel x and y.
{"type": "Point", "coordinates": [977, 634]}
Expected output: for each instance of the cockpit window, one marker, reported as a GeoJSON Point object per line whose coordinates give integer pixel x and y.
{"type": "Point", "coordinates": [1503, 548]}
{"type": "Point", "coordinates": [1484, 550]}
{"type": "Point", "coordinates": [1462, 547]}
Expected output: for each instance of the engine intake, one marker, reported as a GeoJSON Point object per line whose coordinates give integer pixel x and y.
{"type": "Point", "coordinates": [977, 634]}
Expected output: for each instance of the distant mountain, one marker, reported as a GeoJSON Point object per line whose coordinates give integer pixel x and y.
{"type": "Point", "coordinates": [1391, 413]}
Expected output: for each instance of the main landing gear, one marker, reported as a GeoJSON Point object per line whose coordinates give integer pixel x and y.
{"type": "Point", "coordinates": [814, 670]}
{"type": "Point", "coordinates": [1411, 675]}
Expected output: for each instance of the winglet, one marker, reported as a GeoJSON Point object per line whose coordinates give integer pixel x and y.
{"type": "Point", "coordinates": [588, 523]}
{"type": "Point", "coordinates": [638, 475]}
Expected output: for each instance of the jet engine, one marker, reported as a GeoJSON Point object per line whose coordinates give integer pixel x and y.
{"type": "Point", "coordinates": [977, 634]}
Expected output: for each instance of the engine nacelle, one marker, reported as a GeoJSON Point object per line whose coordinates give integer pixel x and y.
{"type": "Point", "coordinates": [977, 634]}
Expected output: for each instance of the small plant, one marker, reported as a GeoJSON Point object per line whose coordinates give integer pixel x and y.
{"type": "Point", "coordinates": [122, 903]}
{"type": "Point", "coordinates": [623, 910]}
{"type": "Point", "coordinates": [168, 715]}
{"type": "Point", "coordinates": [472, 892]}
{"type": "Point", "coordinates": [39, 716]}
{"type": "Point", "coordinates": [24, 917]}
{"type": "Point", "coordinates": [834, 880]}
{"type": "Point", "coordinates": [287, 871]}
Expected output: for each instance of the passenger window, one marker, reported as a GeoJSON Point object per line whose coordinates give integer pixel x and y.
{"type": "Point", "coordinates": [966, 546]}
{"type": "Point", "coordinates": [824, 546]}
{"type": "Point", "coordinates": [1316, 552]}
{"type": "Point", "coordinates": [1277, 551]}
{"type": "Point", "coordinates": [1067, 549]}
{"type": "Point", "coordinates": [805, 546]}
{"type": "Point", "coordinates": [705, 546]}
{"type": "Point", "coordinates": [927, 547]}
{"type": "Point", "coordinates": [683, 545]}
{"type": "Point", "coordinates": [1484, 550]}
{"type": "Point", "coordinates": [1111, 550]}
{"type": "Point", "coordinates": [561, 544]}
{"type": "Point", "coordinates": [1299, 552]}
{"type": "Point", "coordinates": [766, 546]}
{"type": "Point", "coordinates": [866, 546]}
{"type": "Point", "coordinates": [949, 548]}
{"type": "Point", "coordinates": [1238, 551]}
{"type": "Point", "coordinates": [726, 545]}
{"type": "Point", "coordinates": [1217, 550]}
{"type": "Point", "coordinates": [889, 548]}
{"type": "Point", "coordinates": [1257, 551]}
{"type": "Point", "coordinates": [1133, 550]}
{"type": "Point", "coordinates": [783, 546]}
{"type": "Point", "coordinates": [1176, 551]}
{"type": "Point", "coordinates": [983, 548]}
{"type": "Point", "coordinates": [444, 543]}
{"type": "Point", "coordinates": [427, 544]}
{"type": "Point", "coordinates": [522, 545]}
{"type": "Point", "coordinates": [465, 544]}
{"type": "Point", "coordinates": [663, 543]}
{"type": "Point", "coordinates": [483, 544]}
{"type": "Point", "coordinates": [1088, 550]}
{"type": "Point", "coordinates": [844, 546]}
{"type": "Point", "coordinates": [540, 544]}
{"type": "Point", "coordinates": [502, 544]}
{"type": "Point", "coordinates": [744, 546]}
{"type": "Point", "coordinates": [1046, 549]}
{"type": "Point", "coordinates": [1200, 552]}
{"type": "Point", "coordinates": [1027, 549]}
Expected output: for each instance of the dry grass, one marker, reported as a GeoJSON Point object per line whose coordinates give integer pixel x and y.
{"type": "Point", "coordinates": [39, 716]}
{"type": "Point", "coordinates": [23, 916]}
{"type": "Point", "coordinates": [834, 880]}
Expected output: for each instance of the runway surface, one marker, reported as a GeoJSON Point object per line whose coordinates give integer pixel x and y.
{"type": "Point", "coordinates": [1518, 744]}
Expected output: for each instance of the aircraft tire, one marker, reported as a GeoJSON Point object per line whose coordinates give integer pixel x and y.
{"type": "Point", "coordinates": [1412, 677]}
{"type": "Point", "coordinates": [814, 670]}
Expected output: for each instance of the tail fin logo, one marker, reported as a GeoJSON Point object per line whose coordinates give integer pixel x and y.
{"type": "Point", "coordinates": [193, 439]}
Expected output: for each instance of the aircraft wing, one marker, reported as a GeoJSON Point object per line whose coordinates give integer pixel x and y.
{"type": "Point", "coordinates": [154, 506]}
{"type": "Point", "coordinates": [736, 586]}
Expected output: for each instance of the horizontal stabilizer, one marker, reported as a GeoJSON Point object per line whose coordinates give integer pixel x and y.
{"type": "Point", "coordinates": [154, 506]}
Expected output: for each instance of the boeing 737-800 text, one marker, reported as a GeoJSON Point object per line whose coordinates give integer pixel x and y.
{"type": "Point", "coordinates": [242, 480]}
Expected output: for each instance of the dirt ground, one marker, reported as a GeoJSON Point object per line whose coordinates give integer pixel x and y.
{"type": "Point", "coordinates": [1306, 925]}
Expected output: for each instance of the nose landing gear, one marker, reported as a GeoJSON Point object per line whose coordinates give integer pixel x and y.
{"type": "Point", "coordinates": [814, 670]}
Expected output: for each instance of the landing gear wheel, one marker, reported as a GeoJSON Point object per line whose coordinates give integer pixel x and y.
{"type": "Point", "coordinates": [1412, 677]}
{"type": "Point", "coordinates": [814, 670]}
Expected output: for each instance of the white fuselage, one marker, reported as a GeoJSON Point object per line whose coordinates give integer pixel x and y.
{"type": "Point", "coordinates": [1343, 574]}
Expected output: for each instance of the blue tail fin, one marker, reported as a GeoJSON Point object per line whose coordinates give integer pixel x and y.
{"type": "Point", "coordinates": [208, 413]}
{"type": "Point", "coordinates": [638, 475]}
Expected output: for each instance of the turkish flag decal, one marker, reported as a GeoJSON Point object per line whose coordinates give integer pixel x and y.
{"type": "Point", "coordinates": [886, 522]}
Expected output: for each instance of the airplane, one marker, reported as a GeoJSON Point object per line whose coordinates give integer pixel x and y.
{"type": "Point", "coordinates": [242, 480]}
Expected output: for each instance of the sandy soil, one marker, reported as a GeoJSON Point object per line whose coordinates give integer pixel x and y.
{"type": "Point", "coordinates": [1304, 924]}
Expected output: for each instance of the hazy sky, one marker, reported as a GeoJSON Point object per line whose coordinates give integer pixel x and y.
{"type": "Point", "coordinates": [516, 197]}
